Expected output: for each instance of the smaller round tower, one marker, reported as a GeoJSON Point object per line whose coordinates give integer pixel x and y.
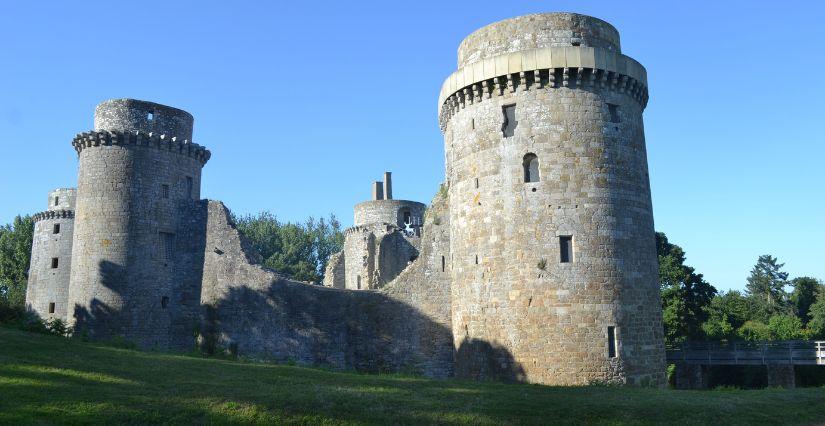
{"type": "Point", "coordinates": [47, 291]}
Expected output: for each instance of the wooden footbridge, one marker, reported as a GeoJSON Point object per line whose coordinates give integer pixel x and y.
{"type": "Point", "coordinates": [692, 359]}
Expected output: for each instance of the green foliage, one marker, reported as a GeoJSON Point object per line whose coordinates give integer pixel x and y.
{"type": "Point", "coordinates": [685, 294]}
{"type": "Point", "coordinates": [816, 315]}
{"type": "Point", "coordinates": [766, 285]}
{"type": "Point", "coordinates": [15, 252]}
{"type": "Point", "coordinates": [786, 327]}
{"type": "Point", "coordinates": [804, 295]}
{"type": "Point", "coordinates": [754, 331]}
{"type": "Point", "coordinates": [542, 264]}
{"type": "Point", "coordinates": [298, 250]}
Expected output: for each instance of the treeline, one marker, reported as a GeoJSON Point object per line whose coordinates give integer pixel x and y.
{"type": "Point", "coordinates": [772, 306]}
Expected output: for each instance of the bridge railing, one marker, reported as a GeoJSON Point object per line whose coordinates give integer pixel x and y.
{"type": "Point", "coordinates": [749, 353]}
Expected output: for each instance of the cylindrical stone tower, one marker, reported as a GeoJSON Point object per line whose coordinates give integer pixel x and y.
{"type": "Point", "coordinates": [47, 291]}
{"type": "Point", "coordinates": [139, 175]}
{"type": "Point", "coordinates": [551, 224]}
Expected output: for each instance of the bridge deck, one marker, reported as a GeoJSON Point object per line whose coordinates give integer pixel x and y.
{"type": "Point", "coordinates": [795, 352]}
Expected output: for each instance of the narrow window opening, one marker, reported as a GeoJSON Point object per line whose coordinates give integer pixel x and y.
{"type": "Point", "coordinates": [508, 128]}
{"type": "Point", "coordinates": [150, 115]}
{"type": "Point", "coordinates": [51, 307]}
{"type": "Point", "coordinates": [476, 259]}
{"type": "Point", "coordinates": [54, 263]}
{"type": "Point", "coordinates": [189, 185]}
{"type": "Point", "coordinates": [576, 43]}
{"type": "Point", "coordinates": [164, 302]}
{"type": "Point", "coordinates": [613, 109]}
{"type": "Point", "coordinates": [358, 282]}
{"type": "Point", "coordinates": [56, 200]}
{"type": "Point", "coordinates": [167, 245]}
{"type": "Point", "coordinates": [531, 168]}
{"type": "Point", "coordinates": [566, 248]}
{"type": "Point", "coordinates": [611, 341]}
{"type": "Point", "coordinates": [476, 183]}
{"type": "Point", "coordinates": [443, 264]}
{"type": "Point", "coordinates": [473, 123]}
{"type": "Point", "coordinates": [56, 228]}
{"type": "Point", "coordinates": [164, 191]}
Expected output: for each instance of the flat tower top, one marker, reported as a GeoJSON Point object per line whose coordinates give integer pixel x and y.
{"type": "Point", "coordinates": [129, 115]}
{"type": "Point", "coordinates": [537, 31]}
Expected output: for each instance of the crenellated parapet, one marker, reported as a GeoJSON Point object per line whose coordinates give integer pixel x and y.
{"type": "Point", "coordinates": [544, 68]}
{"type": "Point", "coordinates": [138, 138]}
{"type": "Point", "coordinates": [359, 229]}
{"type": "Point", "coordinates": [53, 214]}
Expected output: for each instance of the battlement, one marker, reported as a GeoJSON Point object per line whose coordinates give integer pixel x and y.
{"type": "Point", "coordinates": [139, 138]}
{"type": "Point", "coordinates": [128, 115]}
{"type": "Point", "coordinates": [543, 68]}
{"type": "Point", "coordinates": [381, 227]}
{"type": "Point", "coordinates": [53, 214]}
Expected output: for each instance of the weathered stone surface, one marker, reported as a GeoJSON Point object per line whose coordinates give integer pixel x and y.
{"type": "Point", "coordinates": [509, 288]}
{"type": "Point", "coordinates": [47, 291]}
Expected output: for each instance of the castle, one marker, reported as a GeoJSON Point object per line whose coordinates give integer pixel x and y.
{"type": "Point", "coordinates": [535, 261]}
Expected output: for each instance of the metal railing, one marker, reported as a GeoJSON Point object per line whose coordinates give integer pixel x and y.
{"type": "Point", "coordinates": [794, 352]}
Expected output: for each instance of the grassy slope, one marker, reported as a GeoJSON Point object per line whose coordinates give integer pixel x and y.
{"type": "Point", "coordinates": [46, 378]}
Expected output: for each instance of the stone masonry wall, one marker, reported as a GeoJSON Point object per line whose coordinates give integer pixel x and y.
{"type": "Point", "coordinates": [48, 286]}
{"type": "Point", "coordinates": [546, 321]}
{"type": "Point", "coordinates": [257, 312]}
{"type": "Point", "coordinates": [132, 271]}
{"type": "Point", "coordinates": [386, 211]}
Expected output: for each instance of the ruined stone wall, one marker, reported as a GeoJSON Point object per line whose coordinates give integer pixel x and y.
{"type": "Point", "coordinates": [539, 319]}
{"type": "Point", "coordinates": [372, 256]}
{"type": "Point", "coordinates": [387, 211]}
{"type": "Point", "coordinates": [138, 179]}
{"type": "Point", "coordinates": [47, 291]}
{"type": "Point", "coordinates": [259, 313]}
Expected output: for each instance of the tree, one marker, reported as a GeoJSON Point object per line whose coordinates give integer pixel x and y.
{"type": "Point", "coordinates": [785, 327]}
{"type": "Point", "coordinates": [816, 315]}
{"type": "Point", "coordinates": [298, 250]}
{"type": "Point", "coordinates": [766, 285]}
{"type": "Point", "coordinates": [754, 331]}
{"type": "Point", "coordinates": [804, 295]}
{"type": "Point", "coordinates": [685, 294]}
{"type": "Point", "coordinates": [15, 254]}
{"type": "Point", "coordinates": [727, 312]}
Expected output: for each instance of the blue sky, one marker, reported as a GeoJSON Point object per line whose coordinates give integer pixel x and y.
{"type": "Point", "coordinates": [303, 104]}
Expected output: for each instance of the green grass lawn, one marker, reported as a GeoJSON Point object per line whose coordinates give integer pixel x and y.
{"type": "Point", "coordinates": [47, 379]}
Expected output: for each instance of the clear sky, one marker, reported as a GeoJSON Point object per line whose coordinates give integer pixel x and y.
{"type": "Point", "coordinates": [304, 104]}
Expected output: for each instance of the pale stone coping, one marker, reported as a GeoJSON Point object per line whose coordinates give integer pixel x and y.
{"type": "Point", "coordinates": [53, 214]}
{"type": "Point", "coordinates": [162, 142]}
{"type": "Point", "coordinates": [540, 59]}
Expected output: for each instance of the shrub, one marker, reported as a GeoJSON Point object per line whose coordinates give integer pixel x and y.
{"type": "Point", "coordinates": [754, 331]}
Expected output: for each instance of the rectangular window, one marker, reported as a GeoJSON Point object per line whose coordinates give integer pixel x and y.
{"type": "Point", "coordinates": [167, 245]}
{"type": "Point", "coordinates": [150, 115]}
{"type": "Point", "coordinates": [566, 248]}
{"type": "Point", "coordinates": [164, 191]}
{"type": "Point", "coordinates": [476, 183]}
{"type": "Point", "coordinates": [614, 113]}
{"type": "Point", "coordinates": [611, 341]}
{"type": "Point", "coordinates": [54, 263]}
{"type": "Point", "coordinates": [443, 264]}
{"type": "Point", "coordinates": [508, 128]}
{"type": "Point", "coordinates": [56, 228]}
{"type": "Point", "coordinates": [189, 185]}
{"type": "Point", "coordinates": [56, 200]}
{"type": "Point", "coordinates": [51, 307]}
{"type": "Point", "coordinates": [358, 282]}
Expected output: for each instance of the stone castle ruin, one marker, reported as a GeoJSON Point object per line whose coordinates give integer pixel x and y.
{"type": "Point", "coordinates": [535, 261]}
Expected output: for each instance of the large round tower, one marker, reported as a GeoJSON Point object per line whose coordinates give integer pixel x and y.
{"type": "Point", "coordinates": [551, 225]}
{"type": "Point", "coordinates": [139, 175]}
{"type": "Point", "coordinates": [47, 291]}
